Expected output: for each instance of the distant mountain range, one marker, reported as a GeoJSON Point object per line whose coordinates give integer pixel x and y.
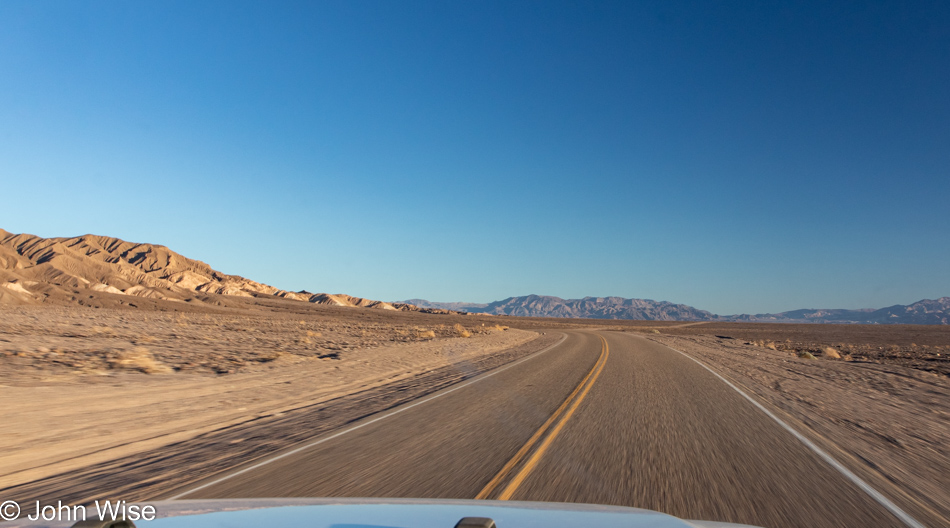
{"type": "Point", "coordinates": [588, 307]}
{"type": "Point", "coordinates": [931, 312]}
{"type": "Point", "coordinates": [926, 311]}
{"type": "Point", "coordinates": [112, 272]}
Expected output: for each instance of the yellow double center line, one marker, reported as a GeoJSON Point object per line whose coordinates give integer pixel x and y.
{"type": "Point", "coordinates": [563, 413]}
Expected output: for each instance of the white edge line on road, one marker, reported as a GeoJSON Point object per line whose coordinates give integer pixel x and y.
{"type": "Point", "coordinates": [368, 422]}
{"type": "Point", "coordinates": [876, 495]}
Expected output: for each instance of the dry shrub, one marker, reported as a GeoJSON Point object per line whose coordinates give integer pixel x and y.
{"type": "Point", "coordinates": [804, 354]}
{"type": "Point", "coordinates": [655, 331]}
{"type": "Point", "coordinates": [425, 334]}
{"type": "Point", "coordinates": [831, 353]}
{"type": "Point", "coordinates": [139, 359]}
{"type": "Point", "coordinates": [311, 333]}
{"type": "Point", "coordinates": [461, 331]}
{"type": "Point", "coordinates": [499, 327]}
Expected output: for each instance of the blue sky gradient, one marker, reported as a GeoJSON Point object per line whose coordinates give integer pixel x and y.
{"type": "Point", "coordinates": [741, 157]}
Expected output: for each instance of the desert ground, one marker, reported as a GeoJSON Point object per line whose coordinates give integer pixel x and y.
{"type": "Point", "coordinates": [90, 391]}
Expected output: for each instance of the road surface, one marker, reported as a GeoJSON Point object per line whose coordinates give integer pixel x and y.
{"type": "Point", "coordinates": [602, 417]}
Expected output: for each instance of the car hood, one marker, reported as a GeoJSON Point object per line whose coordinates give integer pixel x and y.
{"type": "Point", "coordinates": [397, 513]}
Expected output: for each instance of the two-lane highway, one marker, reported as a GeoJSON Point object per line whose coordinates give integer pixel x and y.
{"type": "Point", "coordinates": [603, 418]}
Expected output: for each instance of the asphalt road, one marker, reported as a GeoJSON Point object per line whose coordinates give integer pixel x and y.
{"type": "Point", "coordinates": [604, 418]}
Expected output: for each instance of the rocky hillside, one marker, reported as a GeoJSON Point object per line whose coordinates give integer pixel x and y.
{"type": "Point", "coordinates": [35, 269]}
{"type": "Point", "coordinates": [32, 267]}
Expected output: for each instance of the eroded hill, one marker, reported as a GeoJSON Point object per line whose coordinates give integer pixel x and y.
{"type": "Point", "coordinates": [36, 270]}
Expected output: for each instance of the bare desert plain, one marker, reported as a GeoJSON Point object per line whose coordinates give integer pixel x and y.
{"type": "Point", "coordinates": [113, 400]}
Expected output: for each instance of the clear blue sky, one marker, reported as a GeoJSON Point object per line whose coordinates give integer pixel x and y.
{"type": "Point", "coordinates": [735, 156]}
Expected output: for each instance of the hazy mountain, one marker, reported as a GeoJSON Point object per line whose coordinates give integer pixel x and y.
{"type": "Point", "coordinates": [588, 307]}
{"type": "Point", "coordinates": [922, 312]}
{"type": "Point", "coordinates": [455, 306]}
{"type": "Point", "coordinates": [926, 311]}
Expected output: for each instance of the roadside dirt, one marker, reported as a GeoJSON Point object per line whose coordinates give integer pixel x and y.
{"type": "Point", "coordinates": [887, 422]}
{"type": "Point", "coordinates": [64, 343]}
{"type": "Point", "coordinates": [920, 347]}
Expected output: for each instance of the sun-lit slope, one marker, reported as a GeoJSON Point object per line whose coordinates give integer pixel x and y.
{"type": "Point", "coordinates": [341, 299]}
{"type": "Point", "coordinates": [115, 266]}
{"type": "Point", "coordinates": [34, 269]}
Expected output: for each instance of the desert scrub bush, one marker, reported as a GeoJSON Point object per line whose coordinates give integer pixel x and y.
{"type": "Point", "coordinates": [500, 327]}
{"type": "Point", "coordinates": [804, 354]}
{"type": "Point", "coordinates": [831, 353]}
{"type": "Point", "coordinates": [461, 331]}
{"type": "Point", "coordinates": [139, 359]}
{"type": "Point", "coordinates": [425, 334]}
